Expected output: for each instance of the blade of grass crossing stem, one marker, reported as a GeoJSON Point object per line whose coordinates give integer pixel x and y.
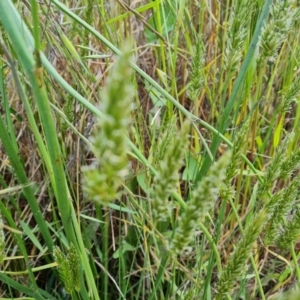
{"type": "Point", "coordinates": [225, 118]}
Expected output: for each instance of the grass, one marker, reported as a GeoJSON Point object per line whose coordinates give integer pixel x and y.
{"type": "Point", "coordinates": [149, 150]}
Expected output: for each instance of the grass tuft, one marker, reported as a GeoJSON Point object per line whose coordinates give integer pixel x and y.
{"type": "Point", "coordinates": [170, 175]}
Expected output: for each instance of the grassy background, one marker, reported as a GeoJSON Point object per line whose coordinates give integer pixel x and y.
{"type": "Point", "coordinates": [149, 150]}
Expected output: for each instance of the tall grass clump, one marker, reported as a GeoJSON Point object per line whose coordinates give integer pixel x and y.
{"type": "Point", "coordinates": [163, 168]}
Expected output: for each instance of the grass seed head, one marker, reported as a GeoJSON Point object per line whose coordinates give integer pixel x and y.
{"type": "Point", "coordinates": [103, 178]}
